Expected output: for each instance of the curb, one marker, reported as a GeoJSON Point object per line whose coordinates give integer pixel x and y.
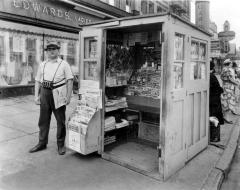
{"type": "Point", "coordinates": [214, 180]}
{"type": "Point", "coordinates": [222, 167]}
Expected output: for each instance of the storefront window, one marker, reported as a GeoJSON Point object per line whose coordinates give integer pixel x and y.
{"type": "Point", "coordinates": [144, 6]}
{"type": "Point", "coordinates": [18, 58]}
{"type": "Point", "coordinates": [2, 57]}
{"type": "Point", "coordinates": [160, 9]}
{"type": "Point", "coordinates": [198, 60]}
{"type": "Point", "coordinates": [151, 7]}
{"type": "Point", "coordinates": [21, 53]}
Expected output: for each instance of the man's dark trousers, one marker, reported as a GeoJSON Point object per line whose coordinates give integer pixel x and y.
{"type": "Point", "coordinates": [46, 109]}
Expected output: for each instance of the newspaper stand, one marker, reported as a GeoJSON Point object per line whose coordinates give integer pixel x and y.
{"type": "Point", "coordinates": [157, 67]}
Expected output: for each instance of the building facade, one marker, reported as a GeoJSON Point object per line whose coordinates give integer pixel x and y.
{"type": "Point", "coordinates": [215, 55]}
{"type": "Point", "coordinates": [221, 48]}
{"type": "Point", "coordinates": [27, 25]}
{"type": "Point", "coordinates": [136, 7]}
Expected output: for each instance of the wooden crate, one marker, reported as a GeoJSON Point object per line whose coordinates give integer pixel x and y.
{"type": "Point", "coordinates": [149, 132]}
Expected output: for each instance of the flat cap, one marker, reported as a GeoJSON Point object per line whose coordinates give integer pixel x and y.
{"type": "Point", "coordinates": [52, 44]}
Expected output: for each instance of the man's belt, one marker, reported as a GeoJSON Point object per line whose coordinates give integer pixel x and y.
{"type": "Point", "coordinates": [49, 85]}
{"type": "Point", "coordinates": [58, 85]}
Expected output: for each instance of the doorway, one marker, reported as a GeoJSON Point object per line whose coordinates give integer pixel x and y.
{"type": "Point", "coordinates": [132, 97]}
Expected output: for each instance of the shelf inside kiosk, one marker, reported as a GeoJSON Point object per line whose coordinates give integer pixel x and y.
{"type": "Point", "coordinates": [132, 98]}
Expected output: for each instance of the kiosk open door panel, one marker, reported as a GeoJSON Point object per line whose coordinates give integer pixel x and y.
{"type": "Point", "coordinates": [174, 99]}
{"type": "Point", "coordinates": [90, 84]}
{"type": "Point", "coordinates": [198, 96]}
{"type": "Point", "coordinates": [184, 128]}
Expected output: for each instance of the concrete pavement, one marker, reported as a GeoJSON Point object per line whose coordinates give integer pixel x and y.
{"type": "Point", "coordinates": [232, 182]}
{"type": "Point", "coordinates": [47, 170]}
{"type": "Point", "coordinates": [223, 164]}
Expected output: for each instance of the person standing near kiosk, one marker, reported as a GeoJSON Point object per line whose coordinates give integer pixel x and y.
{"type": "Point", "coordinates": [228, 98]}
{"type": "Point", "coordinates": [53, 89]}
{"type": "Point", "coordinates": [215, 107]}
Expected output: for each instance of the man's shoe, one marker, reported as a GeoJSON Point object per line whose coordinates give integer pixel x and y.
{"type": "Point", "coordinates": [61, 150]}
{"type": "Point", "coordinates": [37, 148]}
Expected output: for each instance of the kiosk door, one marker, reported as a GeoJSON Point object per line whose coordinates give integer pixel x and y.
{"type": "Point", "coordinates": [173, 128]}
{"type": "Point", "coordinates": [92, 60]}
{"type": "Point", "coordinates": [198, 93]}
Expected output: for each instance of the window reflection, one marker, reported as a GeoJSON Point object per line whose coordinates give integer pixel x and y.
{"type": "Point", "coordinates": [21, 53]}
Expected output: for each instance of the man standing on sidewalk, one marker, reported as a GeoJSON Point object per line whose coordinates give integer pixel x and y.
{"type": "Point", "coordinates": [54, 78]}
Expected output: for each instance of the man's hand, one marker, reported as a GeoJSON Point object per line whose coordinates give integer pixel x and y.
{"type": "Point", "coordinates": [37, 91]}
{"type": "Point", "coordinates": [67, 100]}
{"type": "Point", "coordinates": [37, 100]}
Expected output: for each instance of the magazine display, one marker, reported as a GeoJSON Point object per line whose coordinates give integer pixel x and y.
{"type": "Point", "coordinates": [79, 122]}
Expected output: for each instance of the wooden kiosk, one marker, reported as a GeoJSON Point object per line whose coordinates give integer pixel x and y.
{"type": "Point", "coordinates": [152, 74]}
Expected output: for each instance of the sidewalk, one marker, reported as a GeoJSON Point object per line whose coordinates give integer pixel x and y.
{"type": "Point", "coordinates": [45, 170]}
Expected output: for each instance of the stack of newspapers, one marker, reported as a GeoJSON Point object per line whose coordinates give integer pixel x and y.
{"type": "Point", "coordinates": [110, 123]}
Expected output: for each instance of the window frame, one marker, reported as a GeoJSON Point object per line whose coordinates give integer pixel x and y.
{"type": "Point", "coordinates": [178, 61]}
{"type": "Point", "coordinates": [196, 73]}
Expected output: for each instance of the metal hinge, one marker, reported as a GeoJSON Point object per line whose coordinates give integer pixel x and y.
{"type": "Point", "coordinates": [159, 152]}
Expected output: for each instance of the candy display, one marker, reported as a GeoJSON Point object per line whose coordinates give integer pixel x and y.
{"type": "Point", "coordinates": [142, 74]}
{"type": "Point", "coordinates": [145, 82]}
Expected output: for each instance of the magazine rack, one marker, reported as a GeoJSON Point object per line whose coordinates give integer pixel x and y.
{"type": "Point", "coordinates": [84, 140]}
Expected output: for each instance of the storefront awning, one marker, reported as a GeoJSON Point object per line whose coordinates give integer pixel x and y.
{"type": "Point", "coordinates": [5, 25]}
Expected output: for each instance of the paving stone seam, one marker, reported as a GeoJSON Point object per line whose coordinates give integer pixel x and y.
{"type": "Point", "coordinates": [15, 138]}
{"type": "Point", "coordinates": [4, 125]}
